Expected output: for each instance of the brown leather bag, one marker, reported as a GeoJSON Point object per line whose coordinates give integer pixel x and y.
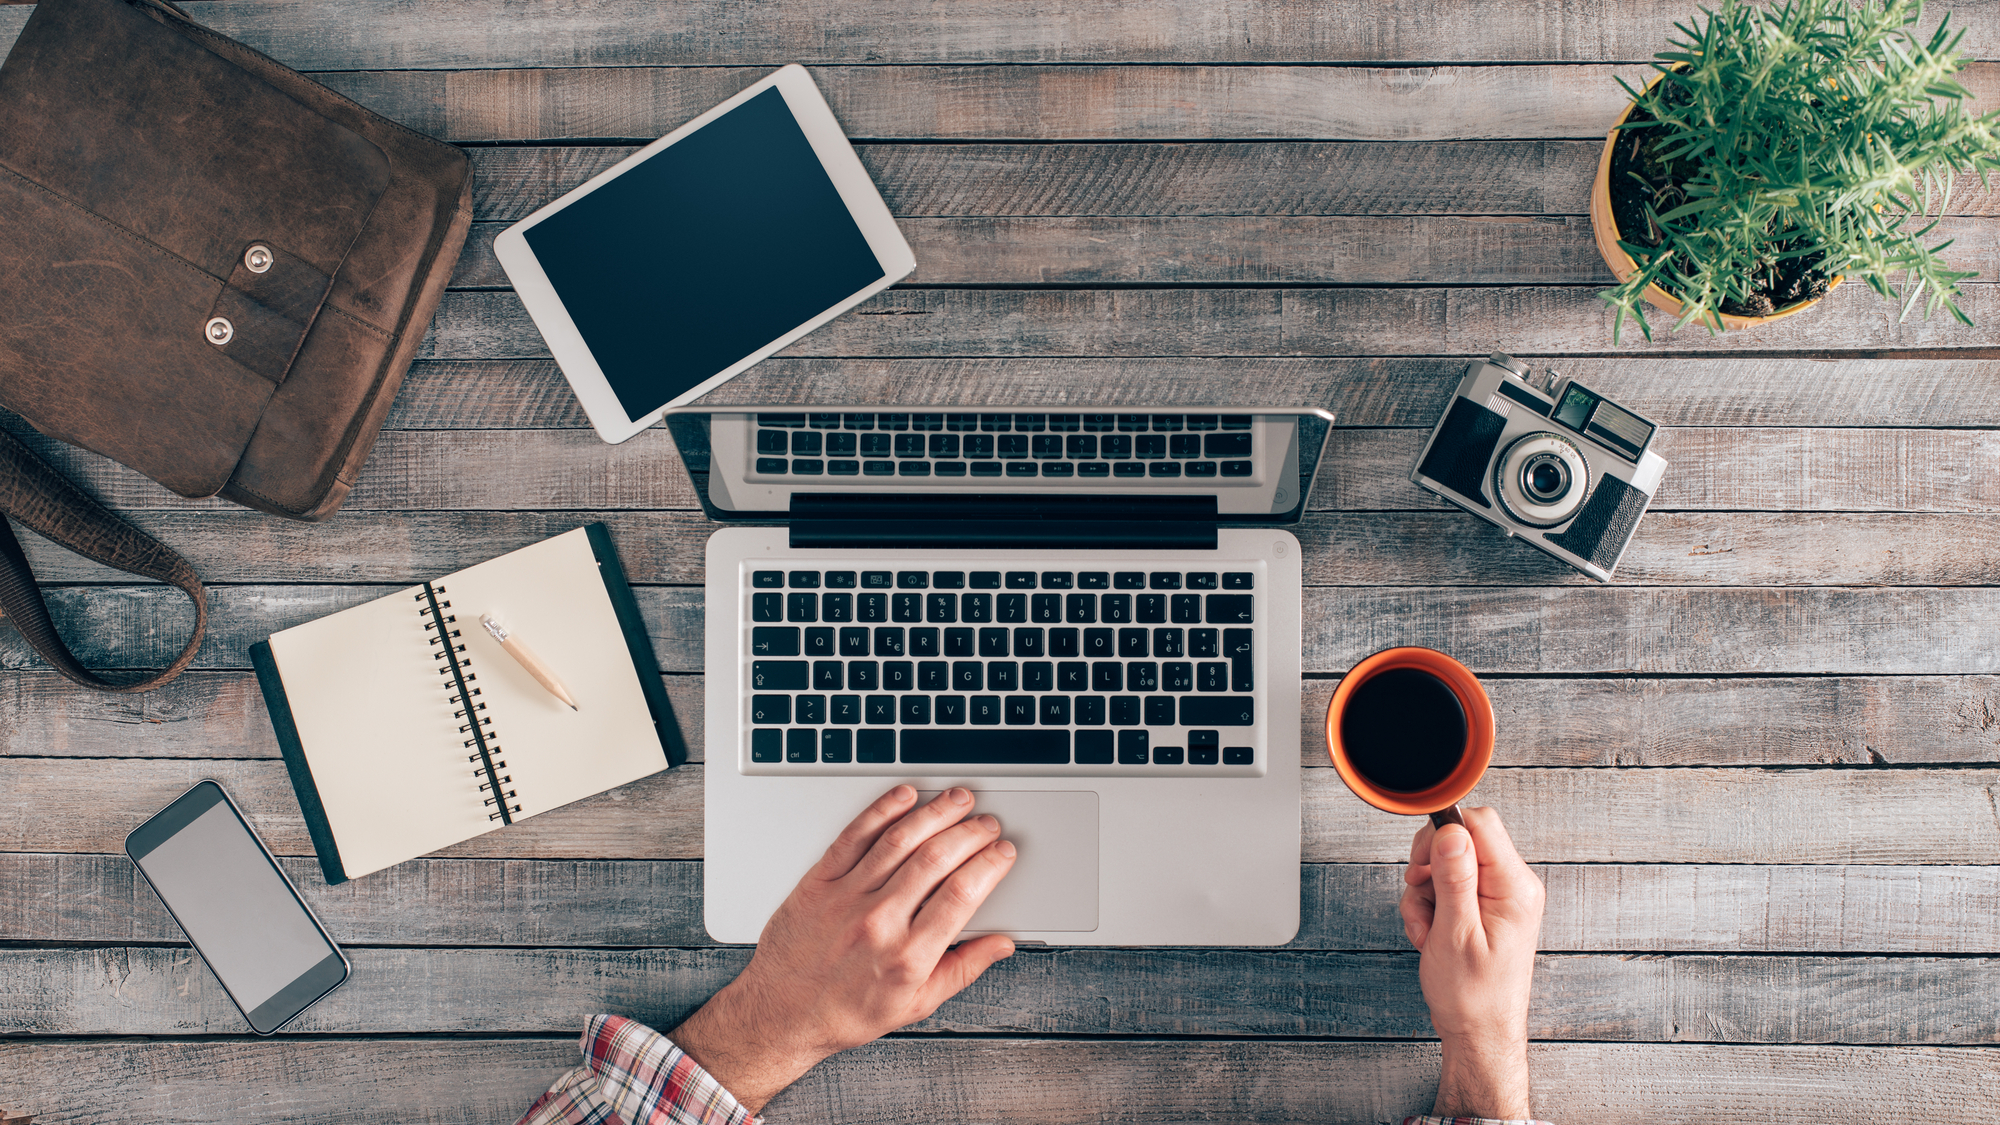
{"type": "Point", "coordinates": [212, 269]}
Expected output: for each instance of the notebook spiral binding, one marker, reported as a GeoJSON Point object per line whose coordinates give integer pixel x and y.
{"type": "Point", "coordinates": [470, 709]}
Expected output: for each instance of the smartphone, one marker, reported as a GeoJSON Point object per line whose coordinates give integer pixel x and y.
{"type": "Point", "coordinates": [237, 907]}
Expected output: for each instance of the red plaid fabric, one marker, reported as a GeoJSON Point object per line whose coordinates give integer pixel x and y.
{"type": "Point", "coordinates": [633, 1075]}
{"type": "Point", "coordinates": [1467, 1121]}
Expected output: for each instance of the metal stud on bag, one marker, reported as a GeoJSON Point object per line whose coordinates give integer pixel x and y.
{"type": "Point", "coordinates": [219, 331]}
{"type": "Point", "coordinates": [258, 259]}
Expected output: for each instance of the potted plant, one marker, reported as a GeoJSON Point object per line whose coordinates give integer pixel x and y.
{"type": "Point", "coordinates": [1780, 150]}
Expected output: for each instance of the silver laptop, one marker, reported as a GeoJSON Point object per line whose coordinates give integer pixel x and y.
{"type": "Point", "coordinates": [1091, 620]}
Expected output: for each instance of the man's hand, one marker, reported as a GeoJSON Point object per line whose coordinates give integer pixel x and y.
{"type": "Point", "coordinates": [860, 948]}
{"type": "Point", "coordinates": [1474, 911]}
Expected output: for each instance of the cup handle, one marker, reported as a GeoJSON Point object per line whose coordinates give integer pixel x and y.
{"type": "Point", "coordinates": [1443, 817]}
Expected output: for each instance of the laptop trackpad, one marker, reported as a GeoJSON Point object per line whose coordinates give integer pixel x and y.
{"type": "Point", "coordinates": [1053, 885]}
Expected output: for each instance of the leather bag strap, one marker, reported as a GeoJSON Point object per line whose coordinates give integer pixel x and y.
{"type": "Point", "coordinates": [47, 503]}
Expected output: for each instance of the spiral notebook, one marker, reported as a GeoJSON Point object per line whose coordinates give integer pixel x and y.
{"type": "Point", "coordinates": [407, 728]}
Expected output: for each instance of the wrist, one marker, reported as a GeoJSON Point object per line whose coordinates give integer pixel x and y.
{"type": "Point", "coordinates": [752, 1057]}
{"type": "Point", "coordinates": [1484, 1077]}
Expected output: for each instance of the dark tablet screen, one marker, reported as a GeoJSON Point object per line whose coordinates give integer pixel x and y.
{"type": "Point", "coordinates": [712, 248]}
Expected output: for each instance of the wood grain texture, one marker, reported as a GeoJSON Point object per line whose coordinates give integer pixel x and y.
{"type": "Point", "coordinates": [1671, 548]}
{"type": "Point", "coordinates": [1903, 816]}
{"type": "Point", "coordinates": [1777, 908]}
{"type": "Point", "coordinates": [1647, 630]}
{"type": "Point", "coordinates": [352, 34]}
{"type": "Point", "coordinates": [1033, 323]}
{"type": "Point", "coordinates": [472, 1080]}
{"type": "Point", "coordinates": [1682, 391]}
{"type": "Point", "coordinates": [1878, 1000]}
{"type": "Point", "coordinates": [1057, 179]}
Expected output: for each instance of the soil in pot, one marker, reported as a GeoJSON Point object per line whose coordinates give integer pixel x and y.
{"type": "Point", "coordinates": [1776, 282]}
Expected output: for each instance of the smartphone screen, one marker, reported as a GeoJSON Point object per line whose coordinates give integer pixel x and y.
{"type": "Point", "coordinates": [237, 908]}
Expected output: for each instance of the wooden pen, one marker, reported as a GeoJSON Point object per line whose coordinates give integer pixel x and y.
{"type": "Point", "coordinates": [527, 658]}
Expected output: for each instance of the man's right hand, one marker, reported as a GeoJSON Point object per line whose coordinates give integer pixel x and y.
{"type": "Point", "coordinates": [1474, 911]}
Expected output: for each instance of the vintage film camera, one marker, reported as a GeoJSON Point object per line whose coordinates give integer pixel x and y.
{"type": "Point", "coordinates": [1545, 459]}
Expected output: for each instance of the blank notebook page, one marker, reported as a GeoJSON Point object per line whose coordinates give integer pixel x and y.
{"type": "Point", "coordinates": [378, 728]}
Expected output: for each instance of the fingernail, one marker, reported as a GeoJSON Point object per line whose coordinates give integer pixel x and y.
{"type": "Point", "coordinates": [988, 823]}
{"type": "Point", "coordinates": [1005, 848]}
{"type": "Point", "coordinates": [1451, 845]}
{"type": "Point", "coordinates": [959, 796]}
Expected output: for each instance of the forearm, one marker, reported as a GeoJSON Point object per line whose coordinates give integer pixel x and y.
{"type": "Point", "coordinates": [1488, 1079]}
{"type": "Point", "coordinates": [753, 1067]}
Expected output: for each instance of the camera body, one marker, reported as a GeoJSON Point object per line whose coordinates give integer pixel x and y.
{"type": "Point", "coordinates": [1546, 460]}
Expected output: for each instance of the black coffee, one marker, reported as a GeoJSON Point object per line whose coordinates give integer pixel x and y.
{"type": "Point", "coordinates": [1404, 730]}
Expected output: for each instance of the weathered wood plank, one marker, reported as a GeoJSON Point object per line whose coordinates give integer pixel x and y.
{"type": "Point", "coordinates": [1816, 720]}
{"type": "Point", "coordinates": [1887, 1001]}
{"type": "Point", "coordinates": [1683, 391]}
{"type": "Point", "coordinates": [1898, 816]}
{"type": "Point", "coordinates": [1079, 180]}
{"type": "Point", "coordinates": [1030, 323]}
{"type": "Point", "coordinates": [474, 1081]}
{"type": "Point", "coordinates": [1786, 908]}
{"type": "Point", "coordinates": [1646, 630]}
{"type": "Point", "coordinates": [350, 34]}
{"type": "Point", "coordinates": [1671, 548]}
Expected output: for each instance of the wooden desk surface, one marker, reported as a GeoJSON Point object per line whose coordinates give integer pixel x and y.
{"type": "Point", "coordinates": [1759, 772]}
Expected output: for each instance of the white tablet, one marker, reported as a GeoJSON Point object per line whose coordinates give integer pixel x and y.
{"type": "Point", "coordinates": [704, 252]}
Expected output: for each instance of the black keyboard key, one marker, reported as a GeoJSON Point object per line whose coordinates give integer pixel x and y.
{"type": "Point", "coordinates": [1239, 756]}
{"type": "Point", "coordinates": [1166, 469]}
{"type": "Point", "coordinates": [960, 423]}
{"type": "Point", "coordinates": [948, 468]}
{"type": "Point", "coordinates": [977, 608]}
{"type": "Point", "coordinates": [1072, 676]}
{"type": "Point", "coordinates": [959, 642]}
{"type": "Point", "coordinates": [879, 711]}
{"type": "Point", "coordinates": [1003, 675]}
{"type": "Point", "coordinates": [992, 642]}
{"type": "Point", "coordinates": [986, 580]}
{"type": "Point", "coordinates": [837, 607]}
{"type": "Point", "coordinates": [1081, 446]}
{"type": "Point", "coordinates": [805, 444]}
{"type": "Point", "coordinates": [1080, 609]}
{"type": "Point", "coordinates": [924, 642]}
{"type": "Point", "coordinates": [1185, 446]}
{"type": "Point", "coordinates": [1238, 580]}
{"type": "Point", "coordinates": [1055, 710]}
{"type": "Point", "coordinates": [1218, 710]}
{"type": "Point", "coordinates": [1132, 644]}
{"type": "Point", "coordinates": [1046, 446]}
{"type": "Point", "coordinates": [950, 710]}
{"type": "Point", "coordinates": [802, 607]}
{"type": "Point", "coordinates": [1159, 710]}
{"type": "Point", "coordinates": [771, 441]}
{"type": "Point", "coordinates": [877, 445]}
{"type": "Point", "coordinates": [840, 580]}
{"type": "Point", "coordinates": [1021, 469]}
{"type": "Point", "coordinates": [1166, 580]}
{"type": "Point", "coordinates": [770, 708]}
{"type": "Point", "coordinates": [986, 748]}
{"type": "Point", "coordinates": [1202, 643]}
{"type": "Point", "coordinates": [854, 641]}
{"type": "Point", "coordinates": [968, 675]}
{"type": "Point", "coordinates": [1202, 581]}
{"type": "Point", "coordinates": [916, 710]}
{"type": "Point", "coordinates": [876, 579]}
{"type": "Point", "coordinates": [824, 421]}
{"type": "Point", "coordinates": [888, 641]}
{"type": "Point", "coordinates": [1235, 421]}
{"type": "Point", "coordinates": [1150, 446]}
{"type": "Point", "coordinates": [944, 445]}
{"type": "Point", "coordinates": [772, 466]}
{"type": "Point", "coordinates": [1229, 609]}
{"type": "Point", "coordinates": [811, 710]}
{"type": "Point", "coordinates": [842, 445]}
{"type": "Point", "coordinates": [1090, 711]}
{"type": "Point", "coordinates": [933, 675]}
{"type": "Point", "coordinates": [1142, 675]}
{"type": "Point", "coordinates": [1020, 710]}
{"type": "Point", "coordinates": [1093, 748]}
{"type": "Point", "coordinates": [1128, 469]}
{"type": "Point", "coordinates": [828, 675]}
{"type": "Point", "coordinates": [1058, 469]}
{"type": "Point", "coordinates": [1011, 446]}
{"type": "Point", "coordinates": [978, 446]}
{"type": "Point", "coordinates": [1099, 423]}
{"type": "Point", "coordinates": [914, 468]}
{"type": "Point", "coordinates": [1020, 580]}
{"type": "Point", "coordinates": [779, 675]}
{"type": "Point", "coordinates": [1028, 642]}
{"type": "Point", "coordinates": [1124, 710]}
{"type": "Point", "coordinates": [1067, 423]}
{"type": "Point", "coordinates": [1153, 608]}
{"type": "Point", "coordinates": [774, 640]}
{"type": "Point", "coordinates": [1063, 642]}
{"type": "Point", "coordinates": [878, 469]}
{"type": "Point", "coordinates": [1202, 755]}
{"type": "Point", "coordinates": [1186, 609]}
{"type": "Point", "coordinates": [767, 607]}
{"type": "Point", "coordinates": [864, 675]}
{"type": "Point", "coordinates": [1177, 675]}
{"type": "Point", "coordinates": [1132, 747]}
{"type": "Point", "coordinates": [1057, 580]}
{"type": "Point", "coordinates": [985, 710]}
{"type": "Point", "coordinates": [1117, 608]}
{"type": "Point", "coordinates": [1200, 738]}
{"type": "Point", "coordinates": [836, 746]}
{"type": "Point", "coordinates": [808, 468]}
{"type": "Point", "coordinates": [1100, 644]}
{"type": "Point", "coordinates": [1167, 642]}
{"type": "Point", "coordinates": [819, 642]}
{"type": "Point", "coordinates": [872, 607]}
{"type": "Point", "coordinates": [1038, 675]}
{"type": "Point", "coordinates": [858, 421]}
{"type": "Point", "coordinates": [1166, 755]}
{"type": "Point", "coordinates": [948, 580]}
{"type": "Point", "coordinates": [1045, 609]}
{"type": "Point", "coordinates": [1129, 580]}
{"type": "Point", "coordinates": [1030, 422]}
{"type": "Point", "coordinates": [1201, 421]}
{"type": "Point", "coordinates": [909, 445]}
{"type": "Point", "coordinates": [767, 745]}
{"type": "Point", "coordinates": [898, 675]}
{"type": "Point", "coordinates": [996, 423]}
{"type": "Point", "coordinates": [1239, 468]}
{"type": "Point", "coordinates": [1211, 676]}
{"type": "Point", "coordinates": [906, 607]}
{"type": "Point", "coordinates": [1225, 445]}
{"type": "Point", "coordinates": [941, 609]}
{"type": "Point", "coordinates": [1107, 675]}
{"type": "Point", "coordinates": [875, 746]}
{"type": "Point", "coordinates": [1012, 608]}
{"type": "Point", "coordinates": [768, 580]}
{"type": "Point", "coordinates": [1200, 468]}
{"type": "Point", "coordinates": [1166, 423]}
{"type": "Point", "coordinates": [1115, 446]}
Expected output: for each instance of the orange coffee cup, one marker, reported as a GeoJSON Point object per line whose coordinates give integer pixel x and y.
{"type": "Point", "coordinates": [1439, 801]}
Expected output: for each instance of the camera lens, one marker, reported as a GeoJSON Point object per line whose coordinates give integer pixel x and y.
{"type": "Point", "coordinates": [1545, 481]}
{"type": "Point", "coordinates": [1542, 479]}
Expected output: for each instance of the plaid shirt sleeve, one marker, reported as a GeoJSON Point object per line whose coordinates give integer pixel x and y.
{"type": "Point", "coordinates": [1468, 1121]}
{"type": "Point", "coordinates": [633, 1075]}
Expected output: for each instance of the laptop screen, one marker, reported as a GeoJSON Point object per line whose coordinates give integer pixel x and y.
{"type": "Point", "coordinates": [749, 463]}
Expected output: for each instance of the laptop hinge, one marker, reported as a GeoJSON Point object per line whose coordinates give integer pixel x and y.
{"type": "Point", "coordinates": [1000, 522]}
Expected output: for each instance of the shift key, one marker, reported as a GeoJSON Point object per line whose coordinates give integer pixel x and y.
{"type": "Point", "coordinates": [779, 675]}
{"type": "Point", "coordinates": [774, 640]}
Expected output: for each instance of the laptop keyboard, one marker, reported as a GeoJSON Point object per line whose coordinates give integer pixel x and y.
{"type": "Point", "coordinates": [1123, 670]}
{"type": "Point", "coordinates": [1091, 448]}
